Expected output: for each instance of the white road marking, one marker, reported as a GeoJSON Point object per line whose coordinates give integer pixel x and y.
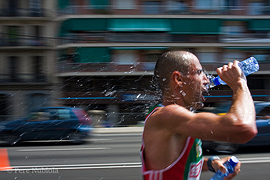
{"type": "Point", "coordinates": [77, 166]}
{"type": "Point", "coordinates": [66, 149]}
{"type": "Point", "coordinates": [254, 160]}
{"type": "Point", "coordinates": [112, 165]}
{"type": "Point", "coordinates": [99, 140]}
{"type": "Point", "coordinates": [82, 165]}
{"type": "Point", "coordinates": [118, 134]}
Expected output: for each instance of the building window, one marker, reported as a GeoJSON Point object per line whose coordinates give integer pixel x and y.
{"type": "Point", "coordinates": [125, 4]}
{"type": "Point", "coordinates": [38, 69]}
{"type": "Point", "coordinates": [13, 35]}
{"type": "Point", "coordinates": [36, 39]}
{"type": "Point", "coordinates": [37, 100]}
{"type": "Point", "coordinates": [152, 7]}
{"type": "Point", "coordinates": [35, 8]}
{"type": "Point", "coordinates": [233, 29]}
{"type": "Point", "coordinates": [256, 8]}
{"type": "Point", "coordinates": [233, 55]}
{"type": "Point", "coordinates": [233, 4]}
{"type": "Point", "coordinates": [12, 7]}
{"type": "Point", "coordinates": [14, 68]}
{"type": "Point", "coordinates": [207, 57]}
{"type": "Point", "coordinates": [125, 57]}
{"type": "Point", "coordinates": [209, 4]}
{"type": "Point", "coordinates": [150, 59]}
{"type": "Point", "coordinates": [176, 6]}
{"type": "Point", "coordinates": [4, 107]}
{"type": "Point", "coordinates": [262, 57]}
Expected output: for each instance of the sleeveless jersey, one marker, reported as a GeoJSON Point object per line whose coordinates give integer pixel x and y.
{"type": "Point", "coordinates": [187, 166]}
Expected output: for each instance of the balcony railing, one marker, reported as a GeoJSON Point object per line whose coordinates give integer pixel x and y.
{"type": "Point", "coordinates": [25, 41]}
{"type": "Point", "coordinates": [28, 12]}
{"type": "Point", "coordinates": [135, 67]}
{"type": "Point", "coordinates": [163, 37]}
{"type": "Point", "coordinates": [22, 78]}
{"type": "Point", "coordinates": [104, 67]}
{"type": "Point", "coordinates": [245, 38]}
{"type": "Point", "coordinates": [166, 9]}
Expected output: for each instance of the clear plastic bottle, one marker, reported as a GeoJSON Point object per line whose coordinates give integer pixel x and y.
{"type": "Point", "coordinates": [229, 165]}
{"type": "Point", "coordinates": [248, 67]}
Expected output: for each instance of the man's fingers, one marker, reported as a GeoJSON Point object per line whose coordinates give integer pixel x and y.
{"type": "Point", "coordinates": [235, 63]}
{"type": "Point", "coordinates": [230, 65]}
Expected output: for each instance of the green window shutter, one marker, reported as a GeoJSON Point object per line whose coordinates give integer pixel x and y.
{"type": "Point", "coordinates": [181, 26]}
{"type": "Point", "coordinates": [259, 25]}
{"type": "Point", "coordinates": [195, 26]}
{"type": "Point", "coordinates": [132, 24]}
{"type": "Point", "coordinates": [99, 4]}
{"type": "Point", "coordinates": [81, 24]}
{"type": "Point", "coordinates": [138, 48]}
{"type": "Point", "coordinates": [93, 54]}
{"type": "Point", "coordinates": [87, 24]}
{"type": "Point", "coordinates": [209, 26]}
{"type": "Point", "coordinates": [62, 4]}
{"type": "Point", "coordinates": [156, 25]}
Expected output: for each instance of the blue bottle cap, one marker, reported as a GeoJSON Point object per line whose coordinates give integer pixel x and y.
{"type": "Point", "coordinates": [233, 161]}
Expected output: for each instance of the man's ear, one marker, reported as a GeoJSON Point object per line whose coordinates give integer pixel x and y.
{"type": "Point", "coordinates": [177, 78]}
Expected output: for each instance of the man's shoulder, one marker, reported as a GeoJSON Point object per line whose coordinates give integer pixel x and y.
{"type": "Point", "coordinates": [151, 109]}
{"type": "Point", "coordinates": [175, 107]}
{"type": "Point", "coordinates": [162, 114]}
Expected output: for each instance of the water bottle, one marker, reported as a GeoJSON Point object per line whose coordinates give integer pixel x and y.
{"type": "Point", "coordinates": [247, 66]}
{"type": "Point", "coordinates": [229, 165]}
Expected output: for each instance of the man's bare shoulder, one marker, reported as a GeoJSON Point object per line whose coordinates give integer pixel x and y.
{"type": "Point", "coordinates": [162, 115]}
{"type": "Point", "coordinates": [171, 109]}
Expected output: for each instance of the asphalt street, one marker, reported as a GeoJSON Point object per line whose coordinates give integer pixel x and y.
{"type": "Point", "coordinates": [110, 154]}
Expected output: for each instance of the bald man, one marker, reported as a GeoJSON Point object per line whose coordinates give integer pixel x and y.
{"type": "Point", "coordinates": [171, 147]}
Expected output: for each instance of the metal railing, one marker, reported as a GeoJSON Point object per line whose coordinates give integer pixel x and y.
{"type": "Point", "coordinates": [64, 67]}
{"type": "Point", "coordinates": [23, 78]}
{"type": "Point", "coordinates": [166, 9]}
{"type": "Point", "coordinates": [26, 41]}
{"type": "Point", "coordinates": [123, 119]}
{"type": "Point", "coordinates": [26, 12]}
{"type": "Point", "coordinates": [104, 67]}
{"type": "Point", "coordinates": [164, 37]}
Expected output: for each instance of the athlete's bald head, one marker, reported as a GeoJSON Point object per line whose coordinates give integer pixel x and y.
{"type": "Point", "coordinates": [168, 63]}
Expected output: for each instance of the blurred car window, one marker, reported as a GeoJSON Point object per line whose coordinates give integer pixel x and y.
{"type": "Point", "coordinates": [48, 123]}
{"type": "Point", "coordinates": [264, 113]}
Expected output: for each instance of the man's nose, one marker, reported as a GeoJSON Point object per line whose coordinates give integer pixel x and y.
{"type": "Point", "coordinates": [206, 79]}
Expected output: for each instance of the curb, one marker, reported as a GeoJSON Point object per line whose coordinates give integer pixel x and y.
{"type": "Point", "coordinates": [118, 130]}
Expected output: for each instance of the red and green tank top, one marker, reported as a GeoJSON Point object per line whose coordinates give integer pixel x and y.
{"type": "Point", "coordinates": [187, 166]}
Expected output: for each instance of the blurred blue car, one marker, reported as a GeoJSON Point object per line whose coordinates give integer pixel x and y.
{"type": "Point", "coordinates": [263, 126]}
{"type": "Point", "coordinates": [49, 123]}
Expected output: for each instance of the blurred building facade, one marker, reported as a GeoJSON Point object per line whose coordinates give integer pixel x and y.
{"type": "Point", "coordinates": [108, 48]}
{"type": "Point", "coordinates": [27, 60]}
{"type": "Point", "coordinates": [103, 52]}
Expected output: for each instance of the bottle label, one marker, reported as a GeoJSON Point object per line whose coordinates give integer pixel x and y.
{"type": "Point", "coordinates": [195, 170]}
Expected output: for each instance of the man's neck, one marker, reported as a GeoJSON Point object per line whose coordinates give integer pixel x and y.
{"type": "Point", "coordinates": [167, 101]}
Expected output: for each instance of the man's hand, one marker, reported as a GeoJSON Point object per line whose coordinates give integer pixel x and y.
{"type": "Point", "coordinates": [231, 73]}
{"type": "Point", "coordinates": [217, 164]}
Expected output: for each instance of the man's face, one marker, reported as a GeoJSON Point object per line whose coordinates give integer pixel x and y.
{"type": "Point", "coordinates": [194, 85]}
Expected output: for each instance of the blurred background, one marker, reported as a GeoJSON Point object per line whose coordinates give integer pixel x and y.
{"type": "Point", "coordinates": [99, 55]}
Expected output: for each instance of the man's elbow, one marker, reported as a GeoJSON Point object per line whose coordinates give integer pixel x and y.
{"type": "Point", "coordinates": [247, 135]}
